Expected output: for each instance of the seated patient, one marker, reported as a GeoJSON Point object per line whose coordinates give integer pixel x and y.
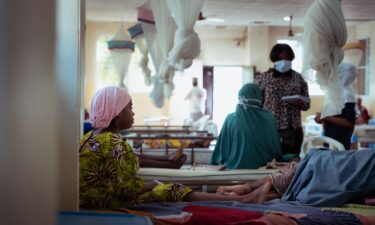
{"type": "Point", "coordinates": [173, 160]}
{"type": "Point", "coordinates": [108, 166]}
{"type": "Point", "coordinates": [249, 137]}
{"type": "Point", "coordinates": [340, 127]}
{"type": "Point", "coordinates": [324, 178]}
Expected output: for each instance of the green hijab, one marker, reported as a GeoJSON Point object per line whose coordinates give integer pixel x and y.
{"type": "Point", "coordinates": [249, 137]}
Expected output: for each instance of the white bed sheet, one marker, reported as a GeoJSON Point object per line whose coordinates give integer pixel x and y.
{"type": "Point", "coordinates": [202, 176]}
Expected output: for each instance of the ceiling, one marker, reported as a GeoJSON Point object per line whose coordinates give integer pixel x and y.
{"type": "Point", "coordinates": [234, 12]}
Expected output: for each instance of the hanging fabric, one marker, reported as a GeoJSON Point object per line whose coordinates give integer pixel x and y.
{"type": "Point", "coordinates": [146, 18]}
{"type": "Point", "coordinates": [325, 34]}
{"type": "Point", "coordinates": [186, 41]}
{"type": "Point", "coordinates": [165, 27]}
{"type": "Point", "coordinates": [136, 33]}
{"type": "Point", "coordinates": [121, 49]}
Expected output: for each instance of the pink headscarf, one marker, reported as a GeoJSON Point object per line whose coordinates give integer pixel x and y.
{"type": "Point", "coordinates": [106, 104]}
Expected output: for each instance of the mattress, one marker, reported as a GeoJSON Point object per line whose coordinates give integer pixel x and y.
{"type": "Point", "coordinates": [203, 176]}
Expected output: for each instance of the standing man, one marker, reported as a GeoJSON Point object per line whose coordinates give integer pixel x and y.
{"type": "Point", "coordinates": [195, 97]}
{"type": "Point", "coordinates": [282, 81]}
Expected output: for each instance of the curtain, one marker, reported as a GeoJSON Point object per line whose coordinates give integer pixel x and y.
{"type": "Point", "coordinates": [146, 18]}
{"type": "Point", "coordinates": [121, 49]}
{"type": "Point", "coordinates": [137, 34]}
{"type": "Point", "coordinates": [186, 41]}
{"type": "Point", "coordinates": [325, 34]}
{"type": "Point", "coordinates": [165, 27]}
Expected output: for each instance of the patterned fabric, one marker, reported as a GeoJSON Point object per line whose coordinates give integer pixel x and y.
{"type": "Point", "coordinates": [365, 210]}
{"type": "Point", "coordinates": [328, 217]}
{"type": "Point", "coordinates": [108, 175]}
{"type": "Point", "coordinates": [282, 178]}
{"type": "Point", "coordinates": [276, 86]}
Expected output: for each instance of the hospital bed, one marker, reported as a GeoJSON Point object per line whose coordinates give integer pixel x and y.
{"type": "Point", "coordinates": [365, 135]}
{"type": "Point", "coordinates": [203, 179]}
{"type": "Point", "coordinates": [149, 140]}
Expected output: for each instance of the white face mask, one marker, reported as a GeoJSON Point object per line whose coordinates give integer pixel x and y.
{"type": "Point", "coordinates": [283, 65]}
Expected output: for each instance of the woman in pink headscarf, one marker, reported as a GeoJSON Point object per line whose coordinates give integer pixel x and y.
{"type": "Point", "coordinates": [107, 105]}
{"type": "Point", "coordinates": [108, 166]}
{"type": "Point", "coordinates": [104, 154]}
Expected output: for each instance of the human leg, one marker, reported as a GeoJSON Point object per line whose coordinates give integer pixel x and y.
{"type": "Point", "coordinates": [244, 188]}
{"type": "Point", "coordinates": [203, 196]}
{"type": "Point", "coordinates": [174, 156]}
{"type": "Point", "coordinates": [240, 189]}
{"type": "Point", "coordinates": [291, 140]}
{"type": "Point", "coordinates": [156, 163]}
{"type": "Point", "coordinates": [258, 195]}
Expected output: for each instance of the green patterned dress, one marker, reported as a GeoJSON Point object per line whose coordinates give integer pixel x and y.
{"type": "Point", "coordinates": [108, 175]}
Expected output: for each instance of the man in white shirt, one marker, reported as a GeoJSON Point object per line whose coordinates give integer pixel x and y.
{"type": "Point", "coordinates": [195, 97]}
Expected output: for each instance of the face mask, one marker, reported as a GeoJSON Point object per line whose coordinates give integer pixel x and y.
{"type": "Point", "coordinates": [283, 65]}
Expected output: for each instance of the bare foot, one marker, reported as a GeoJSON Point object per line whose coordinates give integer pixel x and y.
{"type": "Point", "coordinates": [234, 189]}
{"type": "Point", "coordinates": [176, 155]}
{"type": "Point", "coordinates": [272, 195]}
{"type": "Point", "coordinates": [232, 194]}
{"type": "Point", "coordinates": [258, 195]}
{"type": "Point", "coordinates": [181, 161]}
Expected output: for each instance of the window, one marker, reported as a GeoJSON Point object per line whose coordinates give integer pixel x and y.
{"type": "Point", "coordinates": [105, 71]}
{"type": "Point", "coordinates": [107, 75]}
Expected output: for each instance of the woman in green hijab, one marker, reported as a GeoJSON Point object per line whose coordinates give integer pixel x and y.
{"type": "Point", "coordinates": [249, 137]}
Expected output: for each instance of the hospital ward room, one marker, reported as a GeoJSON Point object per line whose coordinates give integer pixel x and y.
{"type": "Point", "coordinates": [200, 112]}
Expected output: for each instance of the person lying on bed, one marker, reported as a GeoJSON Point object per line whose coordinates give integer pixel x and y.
{"type": "Point", "coordinates": [108, 166]}
{"type": "Point", "coordinates": [323, 178]}
{"type": "Point", "coordinates": [249, 137]}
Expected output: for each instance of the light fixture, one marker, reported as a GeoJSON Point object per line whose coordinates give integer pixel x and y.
{"type": "Point", "coordinates": [287, 18]}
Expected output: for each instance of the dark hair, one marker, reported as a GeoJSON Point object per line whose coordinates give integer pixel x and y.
{"type": "Point", "coordinates": [280, 48]}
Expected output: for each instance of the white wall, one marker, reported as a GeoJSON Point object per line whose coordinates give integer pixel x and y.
{"type": "Point", "coordinates": [40, 95]}
{"type": "Point", "coordinates": [29, 132]}
{"type": "Point", "coordinates": [258, 50]}
{"type": "Point", "coordinates": [219, 46]}
{"type": "Point", "coordinates": [68, 52]}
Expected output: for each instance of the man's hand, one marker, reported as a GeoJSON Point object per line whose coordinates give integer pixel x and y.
{"type": "Point", "coordinates": [318, 119]}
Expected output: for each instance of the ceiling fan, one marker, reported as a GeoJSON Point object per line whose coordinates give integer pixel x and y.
{"type": "Point", "coordinates": [291, 33]}
{"type": "Point", "coordinates": [210, 18]}
{"type": "Point", "coordinates": [201, 17]}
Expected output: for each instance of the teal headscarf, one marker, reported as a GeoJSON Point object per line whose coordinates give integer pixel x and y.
{"type": "Point", "coordinates": [249, 137]}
